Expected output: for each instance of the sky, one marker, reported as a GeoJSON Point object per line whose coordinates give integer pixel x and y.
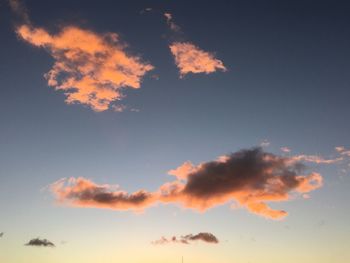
{"type": "Point", "coordinates": [156, 131]}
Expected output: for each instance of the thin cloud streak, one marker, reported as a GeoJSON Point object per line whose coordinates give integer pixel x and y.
{"type": "Point", "coordinates": [188, 239]}
{"type": "Point", "coordinates": [250, 178]}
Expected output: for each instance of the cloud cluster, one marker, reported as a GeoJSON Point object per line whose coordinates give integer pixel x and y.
{"type": "Point", "coordinates": [191, 59]}
{"type": "Point", "coordinates": [90, 68]}
{"type": "Point", "coordinates": [187, 239]}
{"type": "Point", "coordinates": [250, 178]}
{"type": "Point", "coordinates": [40, 243]}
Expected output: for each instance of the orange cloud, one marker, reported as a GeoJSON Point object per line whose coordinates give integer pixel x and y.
{"type": "Point", "coordinates": [252, 178]}
{"type": "Point", "coordinates": [191, 59]}
{"type": "Point", "coordinates": [91, 69]}
{"type": "Point", "coordinates": [315, 159]}
{"type": "Point", "coordinates": [81, 192]}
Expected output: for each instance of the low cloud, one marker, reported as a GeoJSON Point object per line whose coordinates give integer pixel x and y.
{"type": "Point", "coordinates": [84, 193]}
{"type": "Point", "coordinates": [249, 179]}
{"type": "Point", "coordinates": [187, 239]}
{"type": "Point", "coordinates": [90, 68]}
{"type": "Point", "coordinates": [40, 243]}
{"type": "Point", "coordinates": [191, 59]}
{"type": "Point", "coordinates": [1, 234]}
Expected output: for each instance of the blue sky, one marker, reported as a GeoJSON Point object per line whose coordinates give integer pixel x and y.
{"type": "Point", "coordinates": [286, 82]}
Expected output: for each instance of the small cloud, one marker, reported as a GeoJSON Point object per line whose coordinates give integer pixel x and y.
{"type": "Point", "coordinates": [340, 149]}
{"type": "Point", "coordinates": [118, 108]}
{"type": "Point", "coordinates": [20, 10]}
{"type": "Point", "coordinates": [285, 149]}
{"type": "Point", "coordinates": [187, 239]}
{"type": "Point", "coordinates": [169, 19]}
{"type": "Point", "coordinates": [265, 143]}
{"type": "Point", "coordinates": [40, 243]}
{"type": "Point", "coordinates": [191, 59]}
{"type": "Point", "coordinates": [134, 110]}
{"type": "Point", "coordinates": [1, 234]}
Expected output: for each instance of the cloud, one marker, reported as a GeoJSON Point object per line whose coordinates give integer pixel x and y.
{"type": "Point", "coordinates": [90, 68]}
{"type": "Point", "coordinates": [286, 149]}
{"type": "Point", "coordinates": [1, 234]}
{"type": "Point", "coordinates": [20, 10]}
{"type": "Point", "coordinates": [265, 143]}
{"type": "Point", "coordinates": [40, 243]}
{"type": "Point", "coordinates": [187, 239]}
{"type": "Point", "coordinates": [191, 59]}
{"type": "Point", "coordinates": [249, 178]}
{"type": "Point", "coordinates": [170, 22]}
{"type": "Point", "coordinates": [119, 108]}
{"type": "Point", "coordinates": [84, 193]}
{"type": "Point", "coordinates": [316, 159]}
{"type": "Point", "coordinates": [343, 151]}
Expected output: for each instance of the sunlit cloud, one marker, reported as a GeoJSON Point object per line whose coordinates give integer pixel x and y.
{"type": "Point", "coordinates": [191, 59]}
{"type": "Point", "coordinates": [37, 242]}
{"type": "Point", "coordinates": [187, 239]}
{"type": "Point", "coordinates": [90, 68]}
{"type": "Point", "coordinates": [250, 178]}
{"type": "Point", "coordinates": [85, 193]}
{"type": "Point", "coordinates": [316, 159]}
{"type": "Point", "coordinates": [343, 151]}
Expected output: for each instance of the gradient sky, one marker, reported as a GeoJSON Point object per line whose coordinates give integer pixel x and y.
{"type": "Point", "coordinates": [287, 83]}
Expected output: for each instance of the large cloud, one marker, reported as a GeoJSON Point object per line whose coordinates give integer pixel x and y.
{"type": "Point", "coordinates": [40, 243]}
{"type": "Point", "coordinates": [203, 236]}
{"type": "Point", "coordinates": [90, 68]}
{"type": "Point", "coordinates": [251, 178]}
{"type": "Point", "coordinates": [191, 59]}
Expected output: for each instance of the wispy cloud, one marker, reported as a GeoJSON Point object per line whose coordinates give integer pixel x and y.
{"type": "Point", "coordinates": [37, 242]}
{"type": "Point", "coordinates": [265, 143]}
{"type": "Point", "coordinates": [169, 19]}
{"type": "Point", "coordinates": [191, 59]}
{"type": "Point", "coordinates": [251, 178]}
{"type": "Point", "coordinates": [187, 239]}
{"type": "Point", "coordinates": [285, 149]}
{"type": "Point", "coordinates": [316, 159]}
{"type": "Point", "coordinates": [90, 68]}
{"type": "Point", "coordinates": [20, 10]}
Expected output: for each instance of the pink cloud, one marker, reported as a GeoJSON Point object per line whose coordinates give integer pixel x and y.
{"type": "Point", "coordinates": [90, 68]}
{"type": "Point", "coordinates": [252, 178]}
{"type": "Point", "coordinates": [191, 59]}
